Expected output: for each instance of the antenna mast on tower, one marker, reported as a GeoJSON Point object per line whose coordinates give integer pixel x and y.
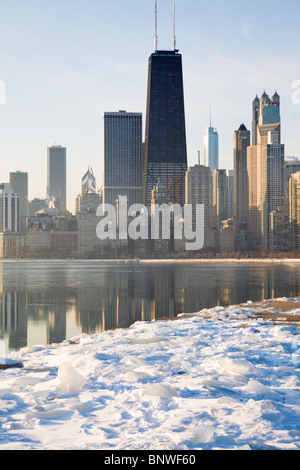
{"type": "Point", "coordinates": [155, 37]}
{"type": "Point", "coordinates": [174, 26]}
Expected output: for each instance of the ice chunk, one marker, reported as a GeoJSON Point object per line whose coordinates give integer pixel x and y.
{"type": "Point", "coordinates": [237, 366]}
{"type": "Point", "coordinates": [48, 414]}
{"type": "Point", "coordinates": [70, 380]}
{"type": "Point", "coordinates": [296, 408]}
{"type": "Point", "coordinates": [138, 375]}
{"type": "Point", "coordinates": [202, 434]}
{"type": "Point", "coordinates": [253, 386]}
{"type": "Point", "coordinates": [160, 390]}
{"type": "Point", "coordinates": [134, 361]}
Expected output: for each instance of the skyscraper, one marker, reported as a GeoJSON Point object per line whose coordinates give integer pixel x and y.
{"type": "Point", "coordinates": [220, 195]}
{"type": "Point", "coordinates": [265, 166]}
{"type": "Point", "coordinates": [294, 209]}
{"type": "Point", "coordinates": [90, 199]}
{"type": "Point", "coordinates": [165, 151]}
{"type": "Point", "coordinates": [241, 141]}
{"type": "Point", "coordinates": [88, 182]}
{"type": "Point", "coordinates": [9, 210]}
{"type": "Point", "coordinates": [18, 182]}
{"type": "Point", "coordinates": [57, 176]}
{"type": "Point", "coordinates": [292, 166]}
{"type": "Point", "coordinates": [269, 110]}
{"type": "Point", "coordinates": [230, 194]}
{"type": "Point", "coordinates": [211, 148]}
{"type": "Point", "coordinates": [255, 118]}
{"type": "Point", "coordinates": [122, 162]}
{"type": "Point", "coordinates": [199, 190]}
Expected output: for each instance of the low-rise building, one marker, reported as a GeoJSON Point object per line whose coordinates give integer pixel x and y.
{"type": "Point", "coordinates": [12, 245]}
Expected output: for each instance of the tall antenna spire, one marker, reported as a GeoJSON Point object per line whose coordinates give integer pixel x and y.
{"type": "Point", "coordinates": [210, 117]}
{"type": "Point", "coordinates": [174, 26]}
{"type": "Point", "coordinates": [155, 37]}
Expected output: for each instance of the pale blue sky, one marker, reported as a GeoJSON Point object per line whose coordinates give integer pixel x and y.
{"type": "Point", "coordinates": [66, 62]}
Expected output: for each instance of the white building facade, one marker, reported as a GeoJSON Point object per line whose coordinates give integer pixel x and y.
{"type": "Point", "coordinates": [9, 211]}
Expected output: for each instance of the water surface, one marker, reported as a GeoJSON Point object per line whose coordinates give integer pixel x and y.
{"type": "Point", "coordinates": [44, 302]}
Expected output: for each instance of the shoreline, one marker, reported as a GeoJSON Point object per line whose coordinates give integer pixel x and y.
{"type": "Point", "coordinates": [162, 261]}
{"type": "Point", "coordinates": [224, 261]}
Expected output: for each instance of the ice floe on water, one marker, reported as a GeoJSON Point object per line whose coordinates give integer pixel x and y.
{"type": "Point", "coordinates": [223, 378]}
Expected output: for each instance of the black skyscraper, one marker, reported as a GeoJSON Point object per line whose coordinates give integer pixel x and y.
{"type": "Point", "coordinates": [165, 153]}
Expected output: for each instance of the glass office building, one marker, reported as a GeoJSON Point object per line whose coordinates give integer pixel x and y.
{"type": "Point", "coordinates": [18, 182]}
{"type": "Point", "coordinates": [165, 152]}
{"type": "Point", "coordinates": [211, 148]}
{"type": "Point", "coordinates": [122, 162]}
{"type": "Point", "coordinates": [57, 176]}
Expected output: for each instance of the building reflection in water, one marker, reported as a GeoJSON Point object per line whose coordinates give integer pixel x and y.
{"type": "Point", "coordinates": [44, 302]}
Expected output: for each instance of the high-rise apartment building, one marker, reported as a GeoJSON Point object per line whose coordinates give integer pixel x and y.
{"type": "Point", "coordinates": [199, 190]}
{"type": "Point", "coordinates": [230, 194]}
{"type": "Point", "coordinates": [254, 194]}
{"type": "Point", "coordinates": [265, 167]}
{"type": "Point", "coordinates": [211, 148]}
{"type": "Point", "coordinates": [9, 210]}
{"type": "Point", "coordinates": [241, 141]}
{"type": "Point", "coordinates": [292, 166]}
{"type": "Point", "coordinates": [255, 118]}
{"type": "Point", "coordinates": [18, 182]}
{"type": "Point", "coordinates": [165, 151]}
{"type": "Point", "coordinates": [57, 176]}
{"type": "Point", "coordinates": [220, 195]}
{"type": "Point", "coordinates": [280, 230]}
{"type": "Point", "coordinates": [294, 209]}
{"type": "Point", "coordinates": [122, 162]}
{"type": "Point", "coordinates": [276, 171]}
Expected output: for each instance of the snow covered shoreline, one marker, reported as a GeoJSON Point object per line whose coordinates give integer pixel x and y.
{"type": "Point", "coordinates": [223, 378]}
{"type": "Point", "coordinates": [162, 261]}
{"type": "Point", "coordinates": [223, 261]}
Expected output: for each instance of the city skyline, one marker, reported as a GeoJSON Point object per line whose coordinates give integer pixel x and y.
{"type": "Point", "coordinates": [61, 75]}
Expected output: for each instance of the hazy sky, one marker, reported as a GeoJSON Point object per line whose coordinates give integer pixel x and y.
{"type": "Point", "coordinates": [65, 62]}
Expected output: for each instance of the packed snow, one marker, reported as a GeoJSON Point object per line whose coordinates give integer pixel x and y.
{"type": "Point", "coordinates": [222, 378]}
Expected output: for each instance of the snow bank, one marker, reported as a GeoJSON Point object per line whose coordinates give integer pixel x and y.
{"type": "Point", "coordinates": [221, 379]}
